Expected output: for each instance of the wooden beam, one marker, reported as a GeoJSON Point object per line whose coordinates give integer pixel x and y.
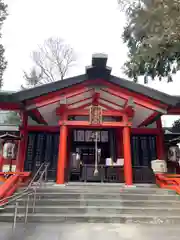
{"type": "Point", "coordinates": [129, 108]}
{"type": "Point", "coordinates": [112, 103]}
{"type": "Point", "coordinates": [61, 109]}
{"type": "Point", "coordinates": [144, 131]}
{"type": "Point", "coordinates": [78, 92]}
{"type": "Point", "coordinates": [129, 103]}
{"type": "Point", "coordinates": [173, 111]}
{"type": "Point", "coordinates": [80, 101]}
{"type": "Point", "coordinates": [109, 112]}
{"type": "Point", "coordinates": [138, 98]}
{"type": "Point", "coordinates": [150, 119]}
{"type": "Point", "coordinates": [54, 97]}
{"type": "Point", "coordinates": [87, 124]}
{"type": "Point", "coordinates": [82, 106]}
{"type": "Point", "coordinates": [43, 128]}
{"type": "Point", "coordinates": [76, 112]}
{"type": "Point", "coordinates": [107, 107]}
{"type": "Point", "coordinates": [129, 112]}
{"type": "Point", "coordinates": [36, 115]}
{"type": "Point", "coordinates": [95, 99]}
{"type": "Point", "coordinates": [59, 112]}
{"type": "Point", "coordinates": [139, 101]}
{"type": "Point", "coordinates": [10, 106]}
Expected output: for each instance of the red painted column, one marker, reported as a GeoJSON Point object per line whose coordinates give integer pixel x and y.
{"type": "Point", "coordinates": [67, 163]}
{"type": "Point", "coordinates": [1, 156]}
{"type": "Point", "coordinates": [23, 143]}
{"type": "Point", "coordinates": [68, 145]}
{"type": "Point", "coordinates": [1, 162]}
{"type": "Point", "coordinates": [127, 156]}
{"type": "Point", "coordinates": [160, 141]}
{"type": "Point", "coordinates": [62, 155]}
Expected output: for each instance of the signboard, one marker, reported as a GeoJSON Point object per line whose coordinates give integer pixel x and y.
{"type": "Point", "coordinates": [86, 136]}
{"type": "Point", "coordinates": [95, 115]}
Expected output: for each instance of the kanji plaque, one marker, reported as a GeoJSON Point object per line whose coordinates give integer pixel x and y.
{"type": "Point", "coordinates": [95, 115]}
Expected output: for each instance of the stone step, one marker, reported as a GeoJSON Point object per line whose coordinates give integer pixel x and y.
{"type": "Point", "coordinates": [91, 218]}
{"type": "Point", "coordinates": [121, 196]}
{"type": "Point", "coordinates": [96, 185]}
{"type": "Point", "coordinates": [106, 190]}
{"type": "Point", "coordinates": [111, 203]}
{"type": "Point", "coordinates": [107, 184]}
{"type": "Point", "coordinates": [102, 202]}
{"type": "Point", "coordinates": [95, 210]}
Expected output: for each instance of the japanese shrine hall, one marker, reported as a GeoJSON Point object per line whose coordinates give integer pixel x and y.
{"type": "Point", "coordinates": [59, 119]}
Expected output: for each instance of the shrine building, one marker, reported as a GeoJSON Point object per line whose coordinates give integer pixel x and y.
{"type": "Point", "coordinates": [113, 125]}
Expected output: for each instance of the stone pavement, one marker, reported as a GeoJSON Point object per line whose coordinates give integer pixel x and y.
{"type": "Point", "coordinates": [88, 231]}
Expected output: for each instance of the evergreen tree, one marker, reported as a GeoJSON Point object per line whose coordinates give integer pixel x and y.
{"type": "Point", "coordinates": [3, 63]}
{"type": "Point", "coordinates": [12, 118]}
{"type": "Point", "coordinates": [176, 126]}
{"type": "Point", "coordinates": [152, 34]}
{"type": "Point", "coordinates": [32, 79]}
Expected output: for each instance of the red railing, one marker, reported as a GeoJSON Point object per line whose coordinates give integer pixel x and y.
{"type": "Point", "coordinates": [11, 184]}
{"type": "Point", "coordinates": [169, 181]}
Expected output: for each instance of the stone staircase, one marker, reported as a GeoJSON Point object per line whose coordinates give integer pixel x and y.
{"type": "Point", "coordinates": [103, 203]}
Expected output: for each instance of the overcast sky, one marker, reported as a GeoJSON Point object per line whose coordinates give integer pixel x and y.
{"type": "Point", "coordinates": [90, 26]}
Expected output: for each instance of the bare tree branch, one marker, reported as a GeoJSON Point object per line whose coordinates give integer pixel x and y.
{"type": "Point", "coordinates": [52, 60]}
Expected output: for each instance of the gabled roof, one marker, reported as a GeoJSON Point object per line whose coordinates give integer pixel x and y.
{"type": "Point", "coordinates": [8, 136]}
{"type": "Point", "coordinates": [96, 71]}
{"type": "Point", "coordinates": [144, 90]}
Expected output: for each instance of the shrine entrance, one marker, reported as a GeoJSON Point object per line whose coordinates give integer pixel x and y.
{"type": "Point", "coordinates": [57, 120]}
{"type": "Point", "coordinates": [84, 147]}
{"type": "Point", "coordinates": [83, 142]}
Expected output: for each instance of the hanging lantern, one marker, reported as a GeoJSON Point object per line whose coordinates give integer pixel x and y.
{"type": "Point", "coordinates": [9, 148]}
{"type": "Point", "coordinates": [173, 154]}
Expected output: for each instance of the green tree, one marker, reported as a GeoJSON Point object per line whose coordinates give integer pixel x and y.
{"type": "Point", "coordinates": [176, 126]}
{"type": "Point", "coordinates": [3, 63]}
{"type": "Point", "coordinates": [152, 34]}
{"type": "Point", "coordinates": [12, 118]}
{"type": "Point", "coordinates": [32, 79]}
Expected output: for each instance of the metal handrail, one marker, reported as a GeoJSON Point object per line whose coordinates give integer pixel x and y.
{"type": "Point", "coordinates": [27, 192]}
{"type": "Point", "coordinates": [13, 197]}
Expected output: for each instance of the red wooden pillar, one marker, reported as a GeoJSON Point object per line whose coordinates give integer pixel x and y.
{"type": "Point", "coordinates": [1, 156]}
{"type": "Point", "coordinates": [160, 141]}
{"type": "Point", "coordinates": [127, 156]}
{"type": "Point", "coordinates": [23, 143]}
{"type": "Point", "coordinates": [67, 162]}
{"type": "Point", "coordinates": [62, 155]}
{"type": "Point", "coordinates": [1, 162]}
